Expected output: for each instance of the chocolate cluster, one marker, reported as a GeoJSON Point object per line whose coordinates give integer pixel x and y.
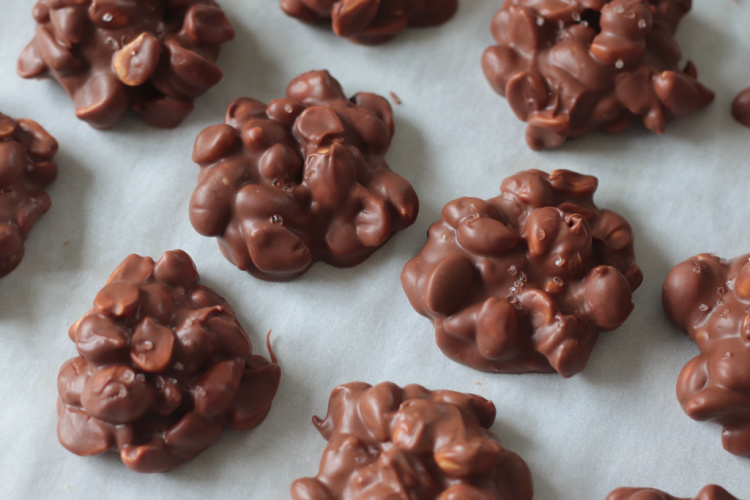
{"type": "Point", "coordinates": [571, 67]}
{"type": "Point", "coordinates": [710, 492]}
{"type": "Point", "coordinates": [741, 107]}
{"type": "Point", "coordinates": [163, 367]}
{"type": "Point", "coordinates": [371, 21]}
{"type": "Point", "coordinates": [391, 442]}
{"type": "Point", "coordinates": [709, 298]}
{"type": "Point", "coordinates": [301, 179]}
{"type": "Point", "coordinates": [524, 282]}
{"type": "Point", "coordinates": [26, 168]}
{"type": "Point", "coordinates": [152, 56]}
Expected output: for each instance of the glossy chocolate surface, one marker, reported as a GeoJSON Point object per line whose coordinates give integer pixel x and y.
{"type": "Point", "coordinates": [163, 367]}
{"type": "Point", "coordinates": [709, 298]}
{"type": "Point", "coordinates": [301, 179]}
{"type": "Point", "coordinates": [710, 492]}
{"type": "Point", "coordinates": [571, 67]}
{"type": "Point", "coordinates": [154, 56]}
{"type": "Point", "coordinates": [371, 21]}
{"type": "Point", "coordinates": [26, 168]}
{"type": "Point", "coordinates": [524, 282]}
{"type": "Point", "coordinates": [388, 442]}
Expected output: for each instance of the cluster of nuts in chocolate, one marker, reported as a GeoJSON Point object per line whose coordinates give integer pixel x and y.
{"type": "Point", "coordinates": [109, 56]}
{"type": "Point", "coordinates": [26, 168]}
{"type": "Point", "coordinates": [568, 68]}
{"type": "Point", "coordinates": [163, 367]}
{"type": "Point", "coordinates": [371, 21]}
{"type": "Point", "coordinates": [710, 492]}
{"type": "Point", "coordinates": [709, 298]}
{"type": "Point", "coordinates": [301, 179]}
{"type": "Point", "coordinates": [525, 281]}
{"type": "Point", "coordinates": [385, 441]}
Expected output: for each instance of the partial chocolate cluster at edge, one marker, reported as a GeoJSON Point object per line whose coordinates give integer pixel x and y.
{"type": "Point", "coordinates": [568, 68]}
{"type": "Point", "coordinates": [163, 367]}
{"type": "Point", "coordinates": [26, 168]}
{"type": "Point", "coordinates": [710, 492]}
{"type": "Point", "coordinates": [153, 57]}
{"type": "Point", "coordinates": [371, 21]}
{"type": "Point", "coordinates": [301, 179]}
{"type": "Point", "coordinates": [524, 282]}
{"type": "Point", "coordinates": [709, 298]}
{"type": "Point", "coordinates": [391, 442]}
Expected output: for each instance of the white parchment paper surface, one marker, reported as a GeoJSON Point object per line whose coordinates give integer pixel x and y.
{"type": "Point", "coordinates": [126, 190]}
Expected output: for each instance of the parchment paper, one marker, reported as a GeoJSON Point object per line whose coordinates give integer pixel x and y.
{"type": "Point", "coordinates": [126, 191]}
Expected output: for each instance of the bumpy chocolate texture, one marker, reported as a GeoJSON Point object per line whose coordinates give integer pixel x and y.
{"type": "Point", "coordinates": [26, 168]}
{"type": "Point", "coordinates": [709, 298]}
{"type": "Point", "coordinates": [524, 282]}
{"type": "Point", "coordinates": [710, 492]}
{"type": "Point", "coordinates": [412, 444]}
{"type": "Point", "coordinates": [163, 367]}
{"type": "Point", "coordinates": [300, 180]}
{"type": "Point", "coordinates": [154, 56]}
{"type": "Point", "coordinates": [571, 67]}
{"type": "Point", "coordinates": [371, 21]}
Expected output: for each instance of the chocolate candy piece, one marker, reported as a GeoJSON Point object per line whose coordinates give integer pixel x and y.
{"type": "Point", "coordinates": [163, 367]}
{"type": "Point", "coordinates": [571, 67]}
{"type": "Point", "coordinates": [524, 282]}
{"type": "Point", "coordinates": [389, 442]}
{"type": "Point", "coordinates": [709, 298]}
{"type": "Point", "coordinates": [710, 492]}
{"type": "Point", "coordinates": [153, 57]}
{"type": "Point", "coordinates": [371, 22]}
{"type": "Point", "coordinates": [299, 180]}
{"type": "Point", "coordinates": [741, 107]}
{"type": "Point", "coordinates": [26, 168]}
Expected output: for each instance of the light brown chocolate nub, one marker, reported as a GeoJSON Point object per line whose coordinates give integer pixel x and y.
{"type": "Point", "coordinates": [163, 367]}
{"type": "Point", "coordinates": [110, 56]}
{"type": "Point", "coordinates": [709, 298]}
{"type": "Point", "coordinates": [524, 282]}
{"type": "Point", "coordinates": [388, 442]}
{"type": "Point", "coordinates": [568, 68]}
{"type": "Point", "coordinates": [710, 492]}
{"type": "Point", "coordinates": [371, 22]}
{"type": "Point", "coordinates": [301, 179]}
{"type": "Point", "coordinates": [26, 168]}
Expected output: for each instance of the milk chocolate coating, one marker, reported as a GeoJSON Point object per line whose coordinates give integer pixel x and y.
{"type": "Point", "coordinates": [301, 179]}
{"type": "Point", "coordinates": [371, 22]}
{"type": "Point", "coordinates": [741, 107]}
{"type": "Point", "coordinates": [154, 56]}
{"type": "Point", "coordinates": [524, 282]}
{"type": "Point", "coordinates": [26, 168]}
{"type": "Point", "coordinates": [385, 442]}
{"type": "Point", "coordinates": [568, 68]}
{"type": "Point", "coordinates": [710, 492]}
{"type": "Point", "coordinates": [163, 367]}
{"type": "Point", "coordinates": [709, 298]}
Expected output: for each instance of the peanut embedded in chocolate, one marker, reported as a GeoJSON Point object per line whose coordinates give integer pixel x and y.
{"type": "Point", "coordinates": [163, 367]}
{"type": "Point", "coordinates": [26, 168]}
{"type": "Point", "coordinates": [153, 57]}
{"type": "Point", "coordinates": [524, 282]}
{"type": "Point", "coordinates": [391, 442]}
{"type": "Point", "coordinates": [709, 298]}
{"type": "Point", "coordinates": [301, 179]}
{"type": "Point", "coordinates": [568, 68]}
{"type": "Point", "coordinates": [371, 22]}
